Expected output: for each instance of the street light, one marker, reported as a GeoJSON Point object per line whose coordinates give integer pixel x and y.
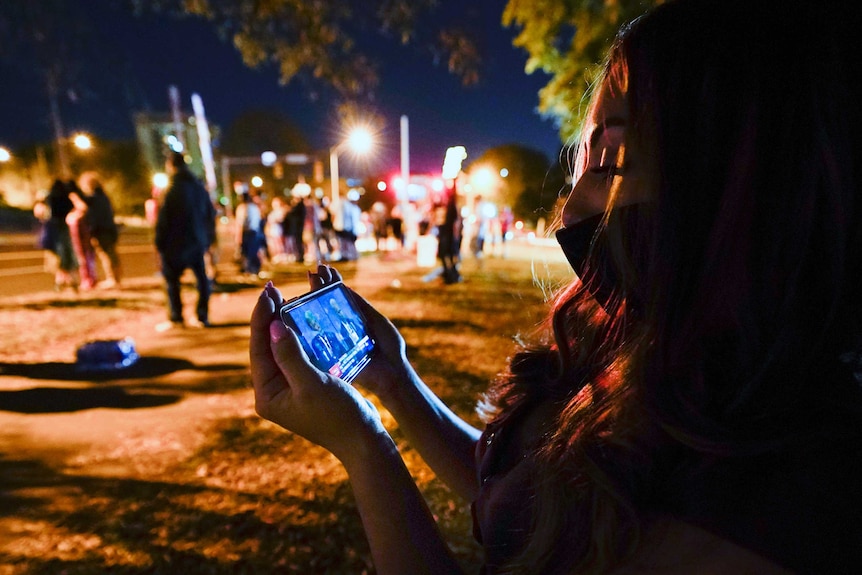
{"type": "Point", "coordinates": [5, 155]}
{"type": "Point", "coordinates": [82, 141]}
{"type": "Point", "coordinates": [360, 141]}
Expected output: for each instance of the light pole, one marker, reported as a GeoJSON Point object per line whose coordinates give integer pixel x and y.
{"type": "Point", "coordinates": [360, 141]}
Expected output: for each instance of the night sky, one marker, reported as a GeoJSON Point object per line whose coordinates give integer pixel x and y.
{"type": "Point", "coordinates": [144, 55]}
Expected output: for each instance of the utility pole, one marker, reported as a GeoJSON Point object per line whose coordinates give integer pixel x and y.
{"type": "Point", "coordinates": [57, 122]}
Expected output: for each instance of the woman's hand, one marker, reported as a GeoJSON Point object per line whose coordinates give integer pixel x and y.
{"type": "Point", "coordinates": [389, 367]}
{"type": "Point", "coordinates": [291, 392]}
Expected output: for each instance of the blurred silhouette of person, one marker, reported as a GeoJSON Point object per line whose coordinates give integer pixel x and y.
{"type": "Point", "coordinates": [485, 213]}
{"type": "Point", "coordinates": [47, 231]}
{"type": "Point", "coordinates": [326, 242]}
{"type": "Point", "coordinates": [396, 224]}
{"type": "Point", "coordinates": [248, 233]}
{"type": "Point", "coordinates": [506, 221]}
{"type": "Point", "coordinates": [379, 225]}
{"type": "Point", "coordinates": [104, 233]}
{"type": "Point", "coordinates": [295, 227]}
{"type": "Point", "coordinates": [449, 237]}
{"type": "Point", "coordinates": [80, 231]}
{"type": "Point", "coordinates": [351, 222]}
{"type": "Point", "coordinates": [185, 230]}
{"type": "Point", "coordinates": [274, 230]}
{"type": "Point", "coordinates": [60, 205]}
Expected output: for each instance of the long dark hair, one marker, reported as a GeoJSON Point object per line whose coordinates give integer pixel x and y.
{"type": "Point", "coordinates": [744, 274]}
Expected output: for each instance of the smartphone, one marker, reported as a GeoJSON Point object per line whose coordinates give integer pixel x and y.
{"type": "Point", "coordinates": [331, 329]}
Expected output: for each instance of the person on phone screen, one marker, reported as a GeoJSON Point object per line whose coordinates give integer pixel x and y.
{"type": "Point", "coordinates": [349, 328]}
{"type": "Point", "coordinates": [694, 405]}
{"type": "Point", "coordinates": [323, 343]}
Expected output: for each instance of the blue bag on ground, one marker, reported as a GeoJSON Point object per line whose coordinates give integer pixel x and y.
{"type": "Point", "coordinates": [107, 354]}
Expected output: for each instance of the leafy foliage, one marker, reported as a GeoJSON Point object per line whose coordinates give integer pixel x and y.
{"type": "Point", "coordinates": [568, 39]}
{"type": "Point", "coordinates": [322, 40]}
{"type": "Point", "coordinates": [324, 43]}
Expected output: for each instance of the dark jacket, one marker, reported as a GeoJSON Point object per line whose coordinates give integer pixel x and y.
{"type": "Point", "coordinates": [101, 214]}
{"type": "Point", "coordinates": [185, 226]}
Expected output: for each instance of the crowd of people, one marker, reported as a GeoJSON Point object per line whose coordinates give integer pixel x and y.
{"type": "Point", "coordinates": [692, 403]}
{"type": "Point", "coordinates": [296, 228]}
{"type": "Point", "coordinates": [77, 226]}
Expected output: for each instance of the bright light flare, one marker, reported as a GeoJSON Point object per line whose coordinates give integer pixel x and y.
{"type": "Point", "coordinates": [5, 155]}
{"type": "Point", "coordinates": [256, 181]}
{"type": "Point", "coordinates": [160, 180]}
{"type": "Point", "coordinates": [360, 140]}
{"type": "Point", "coordinates": [482, 178]}
{"type": "Point", "coordinates": [82, 141]}
{"type": "Point", "coordinates": [381, 186]}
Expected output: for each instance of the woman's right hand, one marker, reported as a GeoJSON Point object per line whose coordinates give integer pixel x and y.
{"type": "Point", "coordinates": [290, 391]}
{"type": "Point", "coordinates": [389, 367]}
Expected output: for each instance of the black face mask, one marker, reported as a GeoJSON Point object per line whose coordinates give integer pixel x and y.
{"type": "Point", "coordinates": [581, 245]}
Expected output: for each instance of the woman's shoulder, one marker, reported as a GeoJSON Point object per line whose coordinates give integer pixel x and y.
{"type": "Point", "coordinates": [800, 505]}
{"type": "Point", "coordinates": [673, 547]}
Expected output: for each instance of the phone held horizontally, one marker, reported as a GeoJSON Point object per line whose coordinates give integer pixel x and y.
{"type": "Point", "coordinates": [331, 329]}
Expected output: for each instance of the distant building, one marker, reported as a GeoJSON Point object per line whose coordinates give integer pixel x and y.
{"type": "Point", "coordinates": [155, 133]}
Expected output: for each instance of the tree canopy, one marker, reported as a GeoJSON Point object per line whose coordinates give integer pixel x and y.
{"type": "Point", "coordinates": [325, 44]}
{"type": "Point", "coordinates": [321, 40]}
{"type": "Point", "coordinates": [568, 39]}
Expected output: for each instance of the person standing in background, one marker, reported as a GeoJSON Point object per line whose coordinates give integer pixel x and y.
{"type": "Point", "coordinates": [274, 230]}
{"type": "Point", "coordinates": [248, 234]}
{"type": "Point", "coordinates": [351, 222]}
{"type": "Point", "coordinates": [103, 229]}
{"type": "Point", "coordinates": [294, 227]}
{"type": "Point", "coordinates": [80, 231]}
{"type": "Point", "coordinates": [325, 241]}
{"type": "Point", "coordinates": [185, 229]}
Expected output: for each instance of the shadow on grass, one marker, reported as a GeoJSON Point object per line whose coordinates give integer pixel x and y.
{"type": "Point", "coordinates": [144, 368]}
{"type": "Point", "coordinates": [64, 400]}
{"type": "Point", "coordinates": [139, 526]}
{"type": "Point", "coordinates": [133, 387]}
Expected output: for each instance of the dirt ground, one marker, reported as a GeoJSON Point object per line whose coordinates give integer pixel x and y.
{"type": "Point", "coordinates": [164, 468]}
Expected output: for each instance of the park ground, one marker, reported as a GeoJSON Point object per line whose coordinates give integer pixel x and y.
{"type": "Point", "coordinates": [165, 468]}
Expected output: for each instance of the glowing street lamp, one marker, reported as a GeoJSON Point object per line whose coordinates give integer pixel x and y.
{"type": "Point", "coordinates": [5, 155]}
{"type": "Point", "coordinates": [82, 141]}
{"type": "Point", "coordinates": [161, 180]}
{"type": "Point", "coordinates": [360, 141]}
{"type": "Point", "coordinates": [482, 179]}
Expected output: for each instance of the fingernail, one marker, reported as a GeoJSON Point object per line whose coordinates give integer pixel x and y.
{"type": "Point", "coordinates": [277, 331]}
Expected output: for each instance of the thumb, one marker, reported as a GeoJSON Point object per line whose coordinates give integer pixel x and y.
{"type": "Point", "coordinates": [290, 356]}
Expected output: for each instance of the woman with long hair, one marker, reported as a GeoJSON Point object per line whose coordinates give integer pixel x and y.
{"type": "Point", "coordinates": [696, 406]}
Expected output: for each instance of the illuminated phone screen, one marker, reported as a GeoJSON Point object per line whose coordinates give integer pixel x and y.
{"type": "Point", "coordinates": [331, 330]}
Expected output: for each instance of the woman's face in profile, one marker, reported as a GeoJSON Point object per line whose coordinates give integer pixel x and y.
{"type": "Point", "coordinates": [602, 158]}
